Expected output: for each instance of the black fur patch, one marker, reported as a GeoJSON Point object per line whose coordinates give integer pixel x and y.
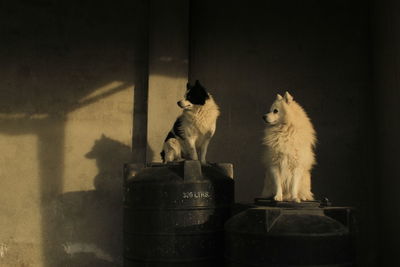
{"type": "Point", "coordinates": [196, 94]}
{"type": "Point", "coordinates": [162, 154]}
{"type": "Point", "coordinates": [177, 128]}
{"type": "Point", "coordinates": [169, 136]}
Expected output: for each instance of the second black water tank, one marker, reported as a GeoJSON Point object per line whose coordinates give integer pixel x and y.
{"type": "Point", "coordinates": [288, 234]}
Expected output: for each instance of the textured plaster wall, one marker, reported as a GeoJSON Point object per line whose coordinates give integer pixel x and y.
{"type": "Point", "coordinates": [318, 51]}
{"type": "Point", "coordinates": [71, 72]}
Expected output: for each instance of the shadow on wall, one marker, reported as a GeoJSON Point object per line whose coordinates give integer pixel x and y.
{"type": "Point", "coordinates": [92, 236]}
{"type": "Point", "coordinates": [58, 53]}
{"type": "Point", "coordinates": [110, 156]}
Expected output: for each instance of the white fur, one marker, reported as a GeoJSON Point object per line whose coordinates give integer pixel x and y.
{"type": "Point", "coordinates": [289, 142]}
{"type": "Point", "coordinates": [198, 126]}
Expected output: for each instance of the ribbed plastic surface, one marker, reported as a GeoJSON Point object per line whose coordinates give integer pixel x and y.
{"type": "Point", "coordinates": [174, 214]}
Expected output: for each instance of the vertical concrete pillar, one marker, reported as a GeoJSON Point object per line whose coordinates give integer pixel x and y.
{"type": "Point", "coordinates": [168, 69]}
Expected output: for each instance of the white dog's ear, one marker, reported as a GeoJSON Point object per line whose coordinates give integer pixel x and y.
{"type": "Point", "coordinates": [288, 98]}
{"type": "Point", "coordinates": [278, 97]}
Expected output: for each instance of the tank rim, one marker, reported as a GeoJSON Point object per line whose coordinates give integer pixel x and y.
{"type": "Point", "coordinates": [269, 202]}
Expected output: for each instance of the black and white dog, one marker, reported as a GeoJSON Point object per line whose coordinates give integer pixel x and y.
{"type": "Point", "coordinates": [194, 128]}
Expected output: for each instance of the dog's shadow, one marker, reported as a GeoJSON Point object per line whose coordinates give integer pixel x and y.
{"type": "Point", "coordinates": [90, 222]}
{"type": "Point", "coordinates": [110, 156]}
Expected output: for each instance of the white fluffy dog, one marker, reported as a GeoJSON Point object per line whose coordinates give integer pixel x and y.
{"type": "Point", "coordinates": [289, 151]}
{"type": "Point", "coordinates": [194, 128]}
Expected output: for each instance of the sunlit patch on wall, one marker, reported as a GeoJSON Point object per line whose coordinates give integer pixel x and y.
{"type": "Point", "coordinates": [164, 92]}
{"type": "Point", "coordinates": [13, 116]}
{"type": "Point", "coordinates": [20, 198]}
{"type": "Point", "coordinates": [107, 111]}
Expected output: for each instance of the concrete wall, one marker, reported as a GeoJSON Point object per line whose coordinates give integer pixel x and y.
{"type": "Point", "coordinates": [386, 110]}
{"type": "Point", "coordinates": [246, 52]}
{"type": "Point", "coordinates": [168, 69]}
{"type": "Point", "coordinates": [70, 74]}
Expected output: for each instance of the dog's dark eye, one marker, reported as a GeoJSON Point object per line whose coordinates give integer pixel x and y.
{"type": "Point", "coordinates": [275, 111]}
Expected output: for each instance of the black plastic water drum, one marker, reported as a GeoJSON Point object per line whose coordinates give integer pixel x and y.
{"type": "Point", "coordinates": [283, 234]}
{"type": "Point", "coordinates": [174, 214]}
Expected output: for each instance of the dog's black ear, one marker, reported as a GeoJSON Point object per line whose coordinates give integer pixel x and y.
{"type": "Point", "coordinates": [198, 94]}
{"type": "Point", "coordinates": [188, 86]}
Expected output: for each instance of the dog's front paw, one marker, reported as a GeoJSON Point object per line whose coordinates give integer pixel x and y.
{"type": "Point", "coordinates": [297, 200]}
{"type": "Point", "coordinates": [308, 196]}
{"type": "Point", "coordinates": [278, 197]}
